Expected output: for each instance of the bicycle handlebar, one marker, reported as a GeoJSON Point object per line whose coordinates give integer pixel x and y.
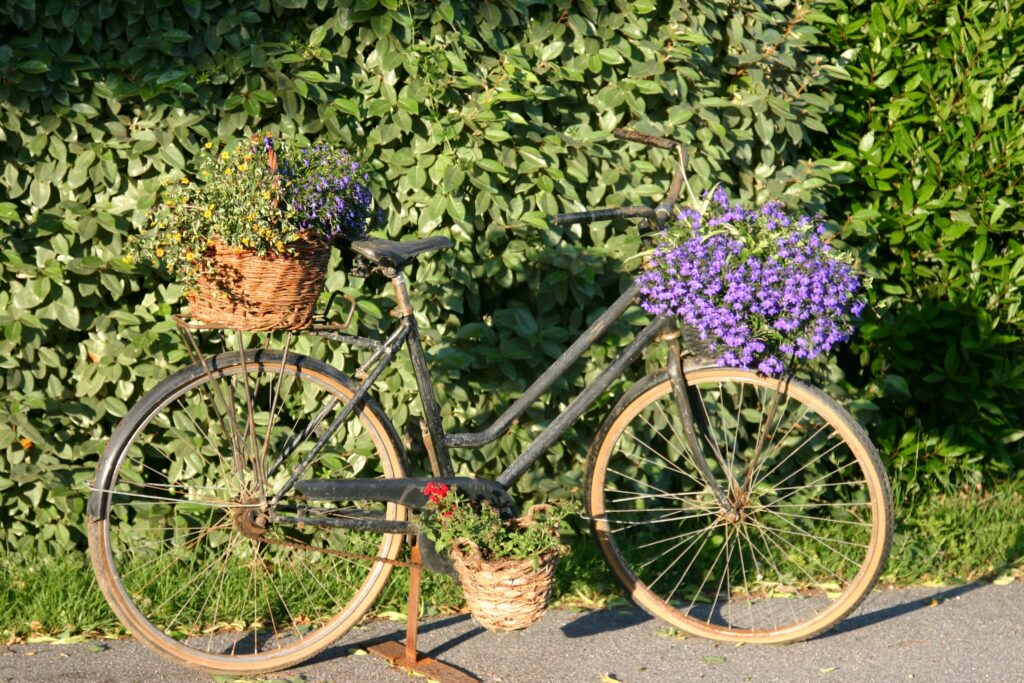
{"type": "Point", "coordinates": [605, 215]}
{"type": "Point", "coordinates": [659, 213]}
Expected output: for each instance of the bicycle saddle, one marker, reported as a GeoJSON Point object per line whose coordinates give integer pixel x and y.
{"type": "Point", "coordinates": [396, 254]}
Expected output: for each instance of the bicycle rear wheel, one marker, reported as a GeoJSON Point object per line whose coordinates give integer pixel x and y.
{"type": "Point", "coordinates": [182, 533]}
{"type": "Point", "coordinates": [811, 518]}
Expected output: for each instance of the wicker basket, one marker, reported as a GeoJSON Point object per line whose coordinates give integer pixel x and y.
{"type": "Point", "coordinates": [253, 292]}
{"type": "Point", "coordinates": [505, 595]}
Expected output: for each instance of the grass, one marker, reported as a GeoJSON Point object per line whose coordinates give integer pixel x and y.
{"type": "Point", "coordinates": [973, 535]}
{"type": "Point", "coordinates": [961, 537]}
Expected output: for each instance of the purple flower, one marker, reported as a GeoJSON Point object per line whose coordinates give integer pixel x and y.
{"type": "Point", "coordinates": [761, 287]}
{"type": "Point", "coordinates": [321, 189]}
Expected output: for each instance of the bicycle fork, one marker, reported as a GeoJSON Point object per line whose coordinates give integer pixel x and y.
{"type": "Point", "coordinates": [690, 431]}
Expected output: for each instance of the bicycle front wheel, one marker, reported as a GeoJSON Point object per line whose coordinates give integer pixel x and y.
{"type": "Point", "coordinates": [807, 520]}
{"type": "Point", "coordinates": [185, 540]}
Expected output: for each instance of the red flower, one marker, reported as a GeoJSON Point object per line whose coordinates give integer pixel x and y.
{"type": "Point", "coordinates": [435, 492]}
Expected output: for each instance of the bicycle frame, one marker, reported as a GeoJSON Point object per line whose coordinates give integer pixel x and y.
{"type": "Point", "coordinates": [437, 441]}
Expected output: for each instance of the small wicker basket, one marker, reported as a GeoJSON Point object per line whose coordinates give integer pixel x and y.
{"type": "Point", "coordinates": [505, 595]}
{"type": "Point", "coordinates": [253, 292]}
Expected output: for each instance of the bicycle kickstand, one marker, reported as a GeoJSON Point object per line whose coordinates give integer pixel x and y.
{"type": "Point", "coordinates": [408, 657]}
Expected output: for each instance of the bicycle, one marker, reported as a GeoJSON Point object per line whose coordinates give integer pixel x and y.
{"type": "Point", "coordinates": [249, 509]}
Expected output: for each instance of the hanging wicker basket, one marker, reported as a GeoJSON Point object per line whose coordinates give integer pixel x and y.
{"type": "Point", "coordinates": [251, 292]}
{"type": "Point", "coordinates": [505, 595]}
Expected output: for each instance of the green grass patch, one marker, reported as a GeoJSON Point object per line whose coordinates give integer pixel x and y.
{"type": "Point", "coordinates": [944, 539]}
{"type": "Point", "coordinates": [960, 537]}
{"type": "Point", "coordinates": [52, 596]}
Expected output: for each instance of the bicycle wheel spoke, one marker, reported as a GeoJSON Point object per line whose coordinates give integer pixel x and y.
{"type": "Point", "coordinates": [779, 540]}
{"type": "Point", "coordinates": [701, 533]}
{"type": "Point", "coordinates": [724, 579]}
{"type": "Point", "coordinates": [790, 454]}
{"type": "Point", "coordinates": [671, 465]}
{"type": "Point", "coordinates": [668, 419]}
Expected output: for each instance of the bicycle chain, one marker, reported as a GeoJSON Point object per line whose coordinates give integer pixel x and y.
{"type": "Point", "coordinates": [330, 551]}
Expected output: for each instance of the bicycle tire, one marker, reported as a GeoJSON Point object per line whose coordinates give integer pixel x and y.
{"type": "Point", "coordinates": [811, 526]}
{"type": "Point", "coordinates": [175, 535]}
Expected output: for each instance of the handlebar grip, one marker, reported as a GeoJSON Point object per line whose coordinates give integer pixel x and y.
{"type": "Point", "coordinates": [637, 136]}
{"type": "Point", "coordinates": [604, 215]}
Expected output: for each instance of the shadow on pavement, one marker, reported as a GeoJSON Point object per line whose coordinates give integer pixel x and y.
{"type": "Point", "coordinates": [886, 613]}
{"type": "Point", "coordinates": [343, 650]}
{"type": "Point", "coordinates": [603, 621]}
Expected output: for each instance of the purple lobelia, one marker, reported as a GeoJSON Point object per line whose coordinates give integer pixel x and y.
{"type": "Point", "coordinates": [761, 287]}
{"type": "Point", "coordinates": [327, 192]}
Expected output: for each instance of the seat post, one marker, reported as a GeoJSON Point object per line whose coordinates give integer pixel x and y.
{"type": "Point", "coordinates": [403, 307]}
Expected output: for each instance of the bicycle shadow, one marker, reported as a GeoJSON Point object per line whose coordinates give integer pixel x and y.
{"type": "Point", "coordinates": [398, 634]}
{"type": "Point", "coordinates": [863, 620]}
{"type": "Point", "coordinates": [605, 621]}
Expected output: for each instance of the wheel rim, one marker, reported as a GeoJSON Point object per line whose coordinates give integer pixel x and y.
{"type": "Point", "coordinates": [801, 540]}
{"type": "Point", "coordinates": [187, 555]}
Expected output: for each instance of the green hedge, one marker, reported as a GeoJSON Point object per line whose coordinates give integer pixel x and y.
{"type": "Point", "coordinates": [481, 119]}
{"type": "Point", "coordinates": [929, 160]}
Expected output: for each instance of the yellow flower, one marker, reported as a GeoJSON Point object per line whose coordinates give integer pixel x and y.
{"type": "Point", "coordinates": [160, 252]}
{"type": "Point", "coordinates": [242, 167]}
{"type": "Point", "coordinates": [280, 246]}
{"type": "Point", "coordinates": [208, 145]}
{"type": "Point", "coordinates": [207, 214]}
{"type": "Point", "coordinates": [266, 194]}
{"type": "Point", "coordinates": [190, 256]}
{"type": "Point", "coordinates": [228, 171]}
{"type": "Point", "coordinates": [224, 155]}
{"type": "Point", "coordinates": [169, 202]}
{"type": "Point", "coordinates": [127, 259]}
{"type": "Point", "coordinates": [176, 236]}
{"type": "Point", "coordinates": [184, 181]}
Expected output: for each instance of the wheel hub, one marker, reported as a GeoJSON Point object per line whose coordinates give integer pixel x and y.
{"type": "Point", "coordinates": [250, 521]}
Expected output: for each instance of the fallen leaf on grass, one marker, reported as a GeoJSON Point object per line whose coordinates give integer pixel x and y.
{"type": "Point", "coordinates": [713, 659]}
{"type": "Point", "coordinates": [392, 616]}
{"type": "Point", "coordinates": [58, 640]}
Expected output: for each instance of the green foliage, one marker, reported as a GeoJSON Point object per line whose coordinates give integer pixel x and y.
{"type": "Point", "coordinates": [482, 118]}
{"type": "Point", "coordinates": [929, 153]}
{"type": "Point", "coordinates": [450, 518]}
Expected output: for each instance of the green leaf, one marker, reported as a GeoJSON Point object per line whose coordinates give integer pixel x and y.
{"type": "Point", "coordinates": [8, 212]}
{"type": "Point", "coordinates": [491, 165]}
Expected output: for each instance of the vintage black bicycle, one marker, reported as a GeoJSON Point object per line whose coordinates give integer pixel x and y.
{"type": "Point", "coordinates": [249, 509]}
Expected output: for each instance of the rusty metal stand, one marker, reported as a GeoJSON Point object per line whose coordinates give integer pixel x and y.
{"type": "Point", "coordinates": [407, 657]}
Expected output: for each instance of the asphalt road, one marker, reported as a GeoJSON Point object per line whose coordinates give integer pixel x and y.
{"type": "Point", "coordinates": [973, 632]}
